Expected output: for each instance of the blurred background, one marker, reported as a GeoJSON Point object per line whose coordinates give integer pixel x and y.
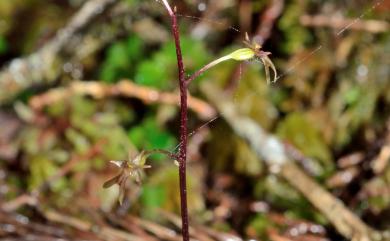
{"type": "Point", "coordinates": [86, 82]}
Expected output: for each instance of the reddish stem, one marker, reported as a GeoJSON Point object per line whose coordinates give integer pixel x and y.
{"type": "Point", "coordinates": [183, 124]}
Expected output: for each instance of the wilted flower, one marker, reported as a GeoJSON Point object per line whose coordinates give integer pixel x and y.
{"type": "Point", "coordinates": [263, 56]}
{"type": "Point", "coordinates": [129, 168]}
{"type": "Point", "coordinates": [253, 50]}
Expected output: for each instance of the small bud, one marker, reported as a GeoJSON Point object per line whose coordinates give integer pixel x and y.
{"type": "Point", "coordinates": [176, 163]}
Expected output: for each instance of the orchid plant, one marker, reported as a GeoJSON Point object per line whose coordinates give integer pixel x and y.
{"type": "Point", "coordinates": [133, 167]}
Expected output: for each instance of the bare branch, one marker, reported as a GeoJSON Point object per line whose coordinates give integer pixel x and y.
{"type": "Point", "coordinates": [125, 88]}
{"type": "Point", "coordinates": [372, 26]}
{"type": "Point", "coordinates": [106, 233]}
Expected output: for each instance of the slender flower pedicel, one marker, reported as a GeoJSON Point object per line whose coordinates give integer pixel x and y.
{"type": "Point", "coordinates": [253, 50]}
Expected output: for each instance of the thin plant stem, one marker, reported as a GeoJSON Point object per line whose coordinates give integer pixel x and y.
{"type": "Point", "coordinates": [205, 68]}
{"type": "Point", "coordinates": [183, 123]}
{"type": "Point", "coordinates": [164, 152]}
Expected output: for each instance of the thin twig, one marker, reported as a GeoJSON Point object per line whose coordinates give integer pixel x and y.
{"type": "Point", "coordinates": [131, 227]}
{"type": "Point", "coordinates": [205, 68]}
{"type": "Point", "coordinates": [106, 233]}
{"type": "Point", "coordinates": [124, 88]}
{"type": "Point", "coordinates": [200, 232]}
{"type": "Point", "coordinates": [267, 21]}
{"type": "Point", "coordinates": [372, 26]}
{"type": "Point", "coordinates": [14, 204]}
{"type": "Point", "coordinates": [157, 229]}
{"type": "Point", "coordinates": [382, 160]}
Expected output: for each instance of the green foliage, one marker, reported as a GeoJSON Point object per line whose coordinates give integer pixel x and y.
{"type": "Point", "coordinates": [100, 126]}
{"type": "Point", "coordinates": [246, 161]}
{"type": "Point", "coordinates": [232, 154]}
{"type": "Point", "coordinates": [160, 70]}
{"type": "Point", "coordinates": [149, 135]}
{"type": "Point", "coordinates": [296, 35]}
{"type": "Point", "coordinates": [378, 193]}
{"type": "Point", "coordinates": [153, 196]}
{"type": "Point", "coordinates": [328, 103]}
{"type": "Point", "coordinates": [124, 60]}
{"type": "Point", "coordinates": [252, 96]}
{"type": "Point", "coordinates": [91, 124]}
{"type": "Point", "coordinates": [354, 102]}
{"type": "Point", "coordinates": [162, 191]}
{"type": "Point", "coordinates": [303, 134]}
{"type": "Point", "coordinates": [259, 225]}
{"type": "Point", "coordinates": [79, 141]}
{"type": "Point", "coordinates": [3, 45]}
{"type": "Point", "coordinates": [351, 106]}
{"type": "Point", "coordinates": [43, 157]}
{"type": "Point", "coordinates": [121, 60]}
{"type": "Point", "coordinates": [131, 2]}
{"type": "Point", "coordinates": [276, 191]}
{"type": "Point", "coordinates": [41, 168]}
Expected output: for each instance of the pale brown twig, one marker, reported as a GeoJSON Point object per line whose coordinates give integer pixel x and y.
{"type": "Point", "coordinates": [158, 230]}
{"type": "Point", "coordinates": [131, 227]}
{"type": "Point", "coordinates": [267, 21]}
{"type": "Point", "coordinates": [372, 26]}
{"type": "Point", "coordinates": [124, 88]}
{"type": "Point", "coordinates": [14, 204]}
{"type": "Point", "coordinates": [199, 231]}
{"type": "Point", "coordinates": [106, 233]}
{"type": "Point", "coordinates": [382, 160]}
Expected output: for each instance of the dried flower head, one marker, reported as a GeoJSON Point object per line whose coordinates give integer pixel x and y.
{"type": "Point", "coordinates": [263, 56]}
{"type": "Point", "coordinates": [132, 167]}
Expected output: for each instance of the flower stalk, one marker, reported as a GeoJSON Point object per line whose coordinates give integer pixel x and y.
{"type": "Point", "coordinates": [239, 55]}
{"type": "Point", "coordinates": [182, 157]}
{"type": "Point", "coordinates": [134, 166]}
